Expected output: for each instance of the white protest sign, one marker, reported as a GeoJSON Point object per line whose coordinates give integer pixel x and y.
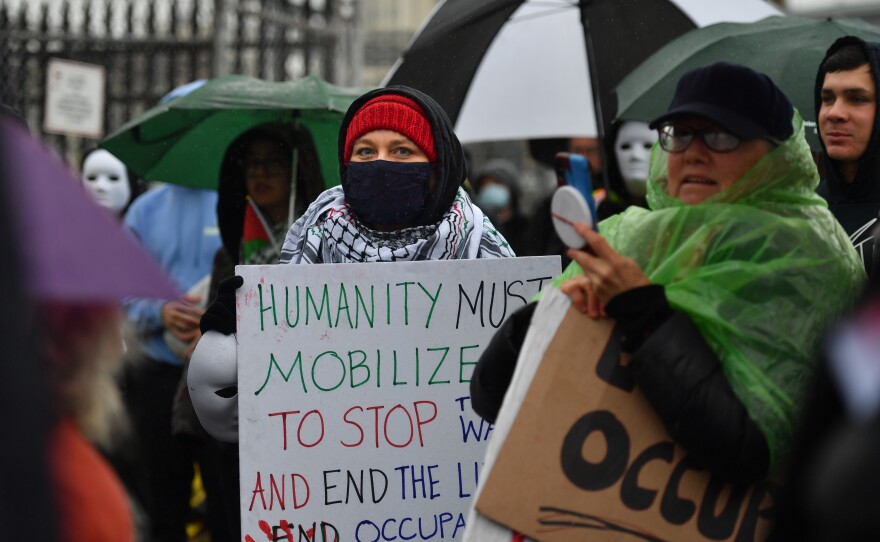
{"type": "Point", "coordinates": [354, 415]}
{"type": "Point", "coordinates": [74, 98]}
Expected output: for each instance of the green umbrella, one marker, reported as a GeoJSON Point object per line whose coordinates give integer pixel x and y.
{"type": "Point", "coordinates": [183, 141]}
{"type": "Point", "coordinates": [787, 49]}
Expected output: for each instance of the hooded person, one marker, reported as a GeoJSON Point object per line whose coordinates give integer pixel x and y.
{"type": "Point", "coordinates": [254, 194]}
{"type": "Point", "coordinates": [831, 487]}
{"type": "Point", "coordinates": [721, 290]}
{"type": "Point", "coordinates": [401, 199]}
{"type": "Point", "coordinates": [496, 185]}
{"type": "Point", "coordinates": [253, 205]}
{"type": "Point", "coordinates": [846, 108]}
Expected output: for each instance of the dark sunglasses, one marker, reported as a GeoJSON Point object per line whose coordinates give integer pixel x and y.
{"type": "Point", "coordinates": [678, 137]}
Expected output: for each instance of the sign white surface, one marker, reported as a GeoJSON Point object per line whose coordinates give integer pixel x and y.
{"type": "Point", "coordinates": [74, 98]}
{"type": "Point", "coordinates": [354, 412]}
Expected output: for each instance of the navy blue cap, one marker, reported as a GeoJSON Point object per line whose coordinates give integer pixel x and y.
{"type": "Point", "coordinates": [741, 100]}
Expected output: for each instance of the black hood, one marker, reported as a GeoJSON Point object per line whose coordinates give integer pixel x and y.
{"type": "Point", "coordinates": [504, 172]}
{"type": "Point", "coordinates": [231, 190]}
{"type": "Point", "coordinates": [866, 185]}
{"type": "Point", "coordinates": [450, 169]}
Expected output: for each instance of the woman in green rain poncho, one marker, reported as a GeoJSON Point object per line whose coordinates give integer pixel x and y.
{"type": "Point", "coordinates": [723, 289]}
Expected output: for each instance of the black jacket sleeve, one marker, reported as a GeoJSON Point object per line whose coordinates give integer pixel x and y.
{"type": "Point", "coordinates": [874, 270]}
{"type": "Point", "coordinates": [683, 380]}
{"type": "Point", "coordinates": [494, 369]}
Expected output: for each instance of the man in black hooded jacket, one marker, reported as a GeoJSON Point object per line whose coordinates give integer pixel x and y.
{"type": "Point", "coordinates": [846, 109]}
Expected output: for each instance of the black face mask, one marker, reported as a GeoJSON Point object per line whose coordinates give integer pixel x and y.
{"type": "Point", "coordinates": [383, 193]}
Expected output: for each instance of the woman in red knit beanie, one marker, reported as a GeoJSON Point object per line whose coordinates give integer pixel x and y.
{"type": "Point", "coordinates": [401, 167]}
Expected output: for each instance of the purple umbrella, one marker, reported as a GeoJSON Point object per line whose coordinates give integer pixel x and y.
{"type": "Point", "coordinates": [73, 250]}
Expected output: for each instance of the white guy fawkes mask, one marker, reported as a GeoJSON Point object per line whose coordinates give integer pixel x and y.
{"type": "Point", "coordinates": [633, 150]}
{"type": "Point", "coordinates": [106, 179]}
{"type": "Point", "coordinates": [212, 379]}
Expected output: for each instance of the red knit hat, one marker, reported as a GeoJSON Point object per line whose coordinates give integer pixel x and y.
{"type": "Point", "coordinates": [392, 112]}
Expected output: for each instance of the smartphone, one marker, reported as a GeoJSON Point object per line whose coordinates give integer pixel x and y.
{"type": "Point", "coordinates": [574, 170]}
{"type": "Point", "coordinates": [573, 200]}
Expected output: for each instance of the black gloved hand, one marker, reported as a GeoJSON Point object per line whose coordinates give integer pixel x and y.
{"type": "Point", "coordinates": [220, 316]}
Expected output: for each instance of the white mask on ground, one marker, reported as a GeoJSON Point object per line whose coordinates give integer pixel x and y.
{"type": "Point", "coordinates": [106, 179]}
{"type": "Point", "coordinates": [633, 150]}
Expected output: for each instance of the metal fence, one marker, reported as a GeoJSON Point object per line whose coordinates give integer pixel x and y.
{"type": "Point", "coordinates": [148, 47]}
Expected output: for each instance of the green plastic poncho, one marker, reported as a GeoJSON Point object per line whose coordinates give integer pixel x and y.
{"type": "Point", "coordinates": [762, 269]}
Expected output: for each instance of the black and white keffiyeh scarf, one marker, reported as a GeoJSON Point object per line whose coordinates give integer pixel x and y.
{"type": "Point", "coordinates": [328, 232]}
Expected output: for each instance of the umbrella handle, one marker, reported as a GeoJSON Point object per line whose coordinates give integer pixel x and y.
{"type": "Point", "coordinates": [294, 166]}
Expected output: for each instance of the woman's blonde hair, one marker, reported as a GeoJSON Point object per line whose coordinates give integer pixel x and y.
{"type": "Point", "coordinates": [83, 345]}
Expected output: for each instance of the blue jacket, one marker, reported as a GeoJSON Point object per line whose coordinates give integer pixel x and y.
{"type": "Point", "coordinates": [178, 227]}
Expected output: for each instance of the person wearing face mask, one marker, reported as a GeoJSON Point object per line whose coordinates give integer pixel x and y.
{"type": "Point", "coordinates": [253, 203]}
{"type": "Point", "coordinates": [722, 288]}
{"type": "Point", "coordinates": [632, 150]}
{"type": "Point", "coordinates": [496, 185]}
{"type": "Point", "coordinates": [402, 169]}
{"type": "Point", "coordinates": [111, 184]}
{"type": "Point", "coordinates": [401, 199]}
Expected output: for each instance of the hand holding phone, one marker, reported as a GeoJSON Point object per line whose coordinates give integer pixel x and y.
{"type": "Point", "coordinates": [573, 200]}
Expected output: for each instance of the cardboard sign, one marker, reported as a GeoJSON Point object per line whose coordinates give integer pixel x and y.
{"type": "Point", "coordinates": [354, 408]}
{"type": "Point", "coordinates": [586, 458]}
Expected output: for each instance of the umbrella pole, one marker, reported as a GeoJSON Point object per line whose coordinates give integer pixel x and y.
{"type": "Point", "coordinates": [594, 84]}
{"type": "Point", "coordinates": [294, 166]}
{"type": "Point", "coordinates": [292, 205]}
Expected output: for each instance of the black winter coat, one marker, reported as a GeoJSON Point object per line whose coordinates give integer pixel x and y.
{"type": "Point", "coordinates": [855, 204]}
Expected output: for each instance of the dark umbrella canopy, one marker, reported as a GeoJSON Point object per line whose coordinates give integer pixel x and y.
{"type": "Point", "coordinates": [787, 49]}
{"type": "Point", "coordinates": [488, 52]}
{"type": "Point", "coordinates": [620, 35]}
{"type": "Point", "coordinates": [425, 65]}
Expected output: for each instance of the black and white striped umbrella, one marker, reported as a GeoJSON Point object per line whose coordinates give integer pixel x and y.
{"type": "Point", "coordinates": [517, 69]}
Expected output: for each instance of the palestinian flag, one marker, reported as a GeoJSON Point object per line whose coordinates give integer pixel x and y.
{"type": "Point", "coordinates": [257, 233]}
